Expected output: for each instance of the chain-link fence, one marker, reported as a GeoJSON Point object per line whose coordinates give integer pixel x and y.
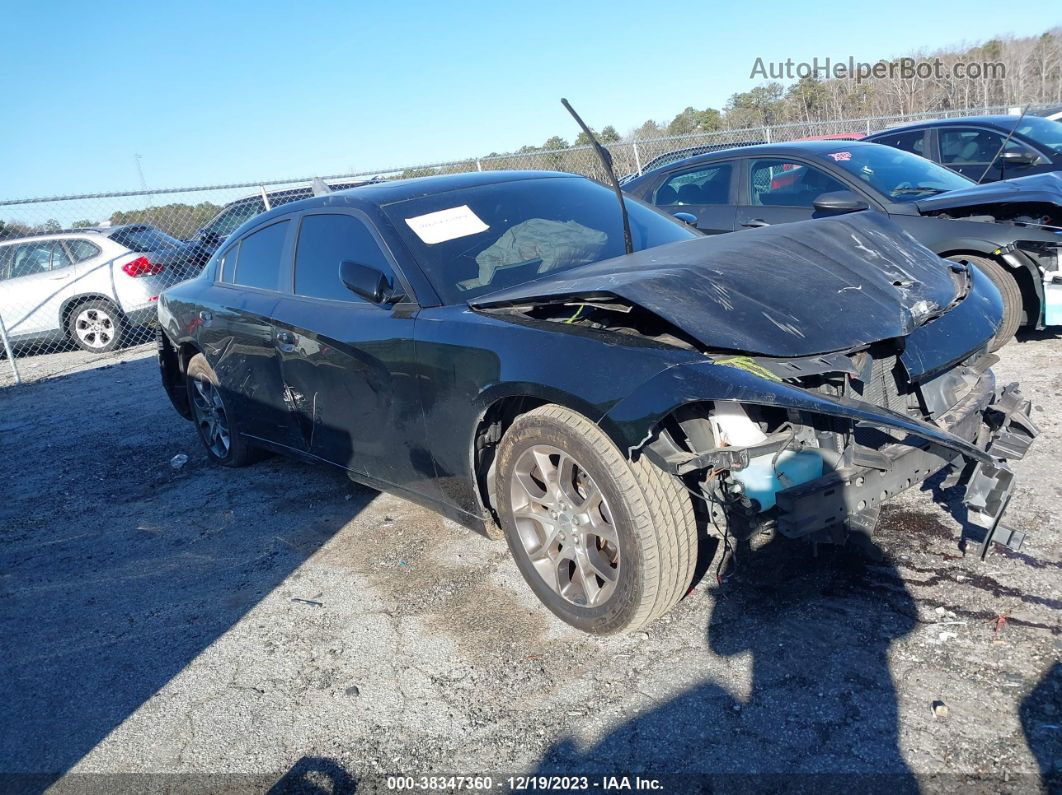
{"type": "Point", "coordinates": [80, 275]}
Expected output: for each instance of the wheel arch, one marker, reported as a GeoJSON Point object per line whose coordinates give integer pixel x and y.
{"type": "Point", "coordinates": [173, 364]}
{"type": "Point", "coordinates": [1017, 264]}
{"type": "Point", "coordinates": [500, 407]}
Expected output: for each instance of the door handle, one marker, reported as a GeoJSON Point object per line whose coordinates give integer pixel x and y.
{"type": "Point", "coordinates": [756, 223]}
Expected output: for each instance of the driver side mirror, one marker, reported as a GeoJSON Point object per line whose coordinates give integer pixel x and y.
{"type": "Point", "coordinates": [1018, 157]}
{"type": "Point", "coordinates": [838, 202]}
{"type": "Point", "coordinates": [370, 283]}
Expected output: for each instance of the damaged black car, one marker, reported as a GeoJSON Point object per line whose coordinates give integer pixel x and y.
{"type": "Point", "coordinates": [484, 345]}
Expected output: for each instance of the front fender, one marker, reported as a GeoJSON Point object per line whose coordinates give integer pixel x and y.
{"type": "Point", "coordinates": [631, 422]}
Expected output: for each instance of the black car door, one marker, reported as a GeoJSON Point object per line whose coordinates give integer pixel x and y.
{"type": "Point", "coordinates": [235, 329]}
{"type": "Point", "coordinates": [705, 191]}
{"type": "Point", "coordinates": [345, 362]}
{"type": "Point", "coordinates": [779, 190]}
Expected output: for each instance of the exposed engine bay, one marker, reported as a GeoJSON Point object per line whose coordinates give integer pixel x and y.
{"type": "Point", "coordinates": [1017, 214]}
{"type": "Point", "coordinates": [819, 477]}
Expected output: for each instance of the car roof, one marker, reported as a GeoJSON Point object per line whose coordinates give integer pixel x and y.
{"type": "Point", "coordinates": [384, 193]}
{"type": "Point", "coordinates": [785, 149]}
{"type": "Point", "coordinates": [1000, 122]}
{"type": "Point", "coordinates": [61, 234]}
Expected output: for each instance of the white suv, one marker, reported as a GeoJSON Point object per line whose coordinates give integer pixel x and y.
{"type": "Point", "coordinates": [89, 286]}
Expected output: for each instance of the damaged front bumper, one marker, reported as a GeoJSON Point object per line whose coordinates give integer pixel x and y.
{"type": "Point", "coordinates": [850, 498]}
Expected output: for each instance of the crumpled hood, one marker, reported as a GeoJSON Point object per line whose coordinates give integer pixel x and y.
{"type": "Point", "coordinates": [1039, 188]}
{"type": "Point", "coordinates": [789, 290]}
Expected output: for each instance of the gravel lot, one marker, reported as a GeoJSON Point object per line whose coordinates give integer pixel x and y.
{"type": "Point", "coordinates": [281, 623]}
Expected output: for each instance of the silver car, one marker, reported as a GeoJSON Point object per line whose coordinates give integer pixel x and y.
{"type": "Point", "coordinates": [92, 287]}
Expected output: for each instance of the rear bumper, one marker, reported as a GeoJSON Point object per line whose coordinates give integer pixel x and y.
{"type": "Point", "coordinates": [995, 421]}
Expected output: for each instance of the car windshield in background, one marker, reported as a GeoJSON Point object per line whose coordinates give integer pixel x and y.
{"type": "Point", "coordinates": [474, 241]}
{"type": "Point", "coordinates": [1043, 131]}
{"type": "Point", "coordinates": [143, 238]}
{"type": "Point", "coordinates": [899, 175]}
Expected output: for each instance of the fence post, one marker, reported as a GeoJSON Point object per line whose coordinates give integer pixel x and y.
{"type": "Point", "coordinates": [868, 126]}
{"type": "Point", "coordinates": [479, 166]}
{"type": "Point", "coordinates": [637, 159]}
{"type": "Point", "coordinates": [7, 350]}
{"type": "Point", "coordinates": [767, 133]}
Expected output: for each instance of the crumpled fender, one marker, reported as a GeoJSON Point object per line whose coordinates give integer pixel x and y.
{"type": "Point", "coordinates": [941, 343]}
{"type": "Point", "coordinates": [631, 421]}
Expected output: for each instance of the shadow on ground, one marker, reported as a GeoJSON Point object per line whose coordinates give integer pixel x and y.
{"type": "Point", "coordinates": [1041, 721]}
{"type": "Point", "coordinates": [822, 700]}
{"type": "Point", "coordinates": [104, 598]}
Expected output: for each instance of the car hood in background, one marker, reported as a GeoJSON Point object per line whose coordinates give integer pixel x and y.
{"type": "Point", "coordinates": [1038, 188]}
{"type": "Point", "coordinates": [789, 290]}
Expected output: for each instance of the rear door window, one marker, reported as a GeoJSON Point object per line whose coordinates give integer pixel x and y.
{"type": "Point", "coordinates": [82, 250]}
{"type": "Point", "coordinates": [325, 241]}
{"type": "Point", "coordinates": [260, 258]}
{"type": "Point", "coordinates": [913, 141]}
{"type": "Point", "coordinates": [705, 185]}
{"type": "Point", "coordinates": [780, 183]}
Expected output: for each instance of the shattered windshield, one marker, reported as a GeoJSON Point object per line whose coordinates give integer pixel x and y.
{"type": "Point", "coordinates": [900, 176]}
{"type": "Point", "coordinates": [478, 240]}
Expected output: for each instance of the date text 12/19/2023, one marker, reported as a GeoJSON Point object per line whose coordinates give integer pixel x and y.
{"type": "Point", "coordinates": [529, 783]}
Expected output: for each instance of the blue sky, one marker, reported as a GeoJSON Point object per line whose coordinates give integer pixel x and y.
{"type": "Point", "coordinates": [218, 92]}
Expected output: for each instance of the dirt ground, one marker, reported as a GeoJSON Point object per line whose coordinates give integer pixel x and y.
{"type": "Point", "coordinates": [235, 629]}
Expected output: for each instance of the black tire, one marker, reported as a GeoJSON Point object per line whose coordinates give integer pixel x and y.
{"type": "Point", "coordinates": [201, 381]}
{"type": "Point", "coordinates": [96, 326]}
{"type": "Point", "coordinates": [650, 512]}
{"type": "Point", "coordinates": [1008, 288]}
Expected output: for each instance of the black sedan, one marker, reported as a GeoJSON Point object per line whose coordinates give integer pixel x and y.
{"type": "Point", "coordinates": [979, 147]}
{"type": "Point", "coordinates": [1008, 229]}
{"type": "Point", "coordinates": [483, 345]}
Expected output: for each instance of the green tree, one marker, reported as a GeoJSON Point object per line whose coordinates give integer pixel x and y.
{"type": "Point", "coordinates": [84, 222]}
{"type": "Point", "coordinates": [649, 129]}
{"type": "Point", "coordinates": [555, 142]}
{"type": "Point", "coordinates": [684, 123]}
{"type": "Point", "coordinates": [609, 135]}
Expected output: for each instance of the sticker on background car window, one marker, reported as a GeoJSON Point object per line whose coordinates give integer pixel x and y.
{"type": "Point", "coordinates": [840, 155]}
{"type": "Point", "coordinates": [438, 227]}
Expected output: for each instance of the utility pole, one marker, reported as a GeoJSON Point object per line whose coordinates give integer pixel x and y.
{"type": "Point", "coordinates": [143, 182]}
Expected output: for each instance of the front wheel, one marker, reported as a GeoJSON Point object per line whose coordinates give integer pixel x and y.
{"type": "Point", "coordinates": [1008, 289]}
{"type": "Point", "coordinates": [213, 416]}
{"type": "Point", "coordinates": [608, 545]}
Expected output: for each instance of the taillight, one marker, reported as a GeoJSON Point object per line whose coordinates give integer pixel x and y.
{"type": "Point", "coordinates": [142, 266]}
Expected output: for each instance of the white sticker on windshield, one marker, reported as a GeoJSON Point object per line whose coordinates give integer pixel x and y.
{"type": "Point", "coordinates": [438, 227]}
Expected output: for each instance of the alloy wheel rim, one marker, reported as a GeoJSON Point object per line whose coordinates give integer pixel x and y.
{"type": "Point", "coordinates": [565, 526]}
{"type": "Point", "coordinates": [94, 327]}
{"type": "Point", "coordinates": [210, 417]}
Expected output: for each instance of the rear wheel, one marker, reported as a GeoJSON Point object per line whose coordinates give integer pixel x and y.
{"type": "Point", "coordinates": [1008, 288]}
{"type": "Point", "coordinates": [213, 417]}
{"type": "Point", "coordinates": [608, 545]}
{"type": "Point", "coordinates": [96, 326]}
